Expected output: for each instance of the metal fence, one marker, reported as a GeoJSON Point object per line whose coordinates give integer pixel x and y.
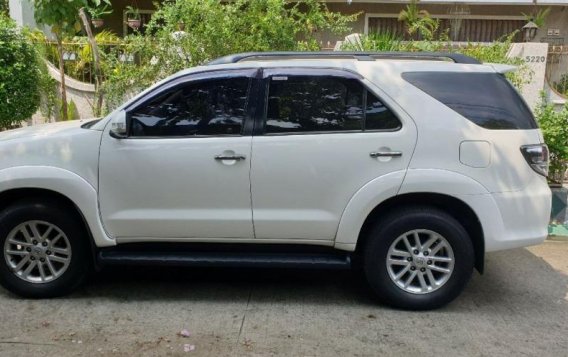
{"type": "Point", "coordinates": [78, 57]}
{"type": "Point", "coordinates": [557, 67]}
{"type": "Point", "coordinates": [464, 30]}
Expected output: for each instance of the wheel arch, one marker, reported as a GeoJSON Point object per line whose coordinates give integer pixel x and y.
{"type": "Point", "coordinates": [12, 196]}
{"type": "Point", "coordinates": [457, 208]}
{"type": "Point", "coordinates": [58, 184]}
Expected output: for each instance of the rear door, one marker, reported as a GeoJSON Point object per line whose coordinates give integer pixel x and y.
{"type": "Point", "coordinates": [323, 134]}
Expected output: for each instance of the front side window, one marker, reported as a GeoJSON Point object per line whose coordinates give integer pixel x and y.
{"type": "Point", "coordinates": [212, 107]}
{"type": "Point", "coordinates": [300, 104]}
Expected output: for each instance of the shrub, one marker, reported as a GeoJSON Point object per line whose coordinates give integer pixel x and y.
{"type": "Point", "coordinates": [19, 76]}
{"type": "Point", "coordinates": [495, 52]}
{"type": "Point", "coordinates": [377, 41]}
{"type": "Point", "coordinates": [4, 7]}
{"type": "Point", "coordinates": [554, 126]}
{"type": "Point", "coordinates": [562, 85]}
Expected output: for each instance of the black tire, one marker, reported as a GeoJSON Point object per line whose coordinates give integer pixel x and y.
{"type": "Point", "coordinates": [392, 226]}
{"type": "Point", "coordinates": [67, 221]}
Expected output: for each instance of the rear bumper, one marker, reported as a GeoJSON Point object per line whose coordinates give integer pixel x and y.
{"type": "Point", "coordinates": [514, 219]}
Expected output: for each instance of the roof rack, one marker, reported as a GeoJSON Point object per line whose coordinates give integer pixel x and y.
{"type": "Point", "coordinates": [360, 56]}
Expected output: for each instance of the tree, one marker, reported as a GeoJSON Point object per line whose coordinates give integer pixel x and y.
{"type": "Point", "coordinates": [62, 17]}
{"type": "Point", "coordinates": [99, 7]}
{"type": "Point", "coordinates": [19, 76]}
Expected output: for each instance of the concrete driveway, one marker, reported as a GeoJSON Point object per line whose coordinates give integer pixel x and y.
{"type": "Point", "coordinates": [519, 307]}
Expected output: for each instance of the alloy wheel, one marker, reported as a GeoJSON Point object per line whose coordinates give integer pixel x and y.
{"type": "Point", "coordinates": [420, 261]}
{"type": "Point", "coordinates": [37, 251]}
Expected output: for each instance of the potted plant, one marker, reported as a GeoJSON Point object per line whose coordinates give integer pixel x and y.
{"type": "Point", "coordinates": [97, 13]}
{"type": "Point", "coordinates": [133, 17]}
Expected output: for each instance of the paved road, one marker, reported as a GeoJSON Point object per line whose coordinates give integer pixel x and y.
{"type": "Point", "coordinates": [518, 308]}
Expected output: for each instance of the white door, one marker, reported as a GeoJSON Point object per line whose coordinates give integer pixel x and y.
{"type": "Point", "coordinates": [183, 170]}
{"type": "Point", "coordinates": [322, 137]}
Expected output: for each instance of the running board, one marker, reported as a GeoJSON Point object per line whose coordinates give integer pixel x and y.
{"type": "Point", "coordinates": [216, 259]}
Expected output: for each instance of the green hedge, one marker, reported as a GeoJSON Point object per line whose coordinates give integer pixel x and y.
{"type": "Point", "coordinates": [19, 76]}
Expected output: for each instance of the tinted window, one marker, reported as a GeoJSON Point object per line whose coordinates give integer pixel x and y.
{"type": "Point", "coordinates": [487, 99]}
{"type": "Point", "coordinates": [304, 103]}
{"type": "Point", "coordinates": [319, 103]}
{"type": "Point", "coordinates": [378, 116]}
{"type": "Point", "coordinates": [213, 107]}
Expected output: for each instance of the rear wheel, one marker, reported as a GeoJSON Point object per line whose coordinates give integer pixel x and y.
{"type": "Point", "coordinates": [418, 258]}
{"type": "Point", "coordinates": [44, 249]}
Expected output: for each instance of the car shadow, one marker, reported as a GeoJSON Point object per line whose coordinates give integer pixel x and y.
{"type": "Point", "coordinates": [516, 278]}
{"type": "Point", "coordinates": [512, 277]}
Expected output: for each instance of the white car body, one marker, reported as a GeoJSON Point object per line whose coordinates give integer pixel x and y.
{"type": "Point", "coordinates": [511, 202]}
{"type": "Point", "coordinates": [317, 189]}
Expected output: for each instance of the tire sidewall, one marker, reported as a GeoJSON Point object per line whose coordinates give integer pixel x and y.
{"type": "Point", "coordinates": [78, 266]}
{"type": "Point", "coordinates": [385, 234]}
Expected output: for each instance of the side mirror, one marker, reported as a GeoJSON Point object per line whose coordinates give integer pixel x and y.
{"type": "Point", "coordinates": [118, 127]}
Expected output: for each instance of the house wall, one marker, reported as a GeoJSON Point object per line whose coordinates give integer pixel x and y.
{"type": "Point", "coordinates": [22, 12]}
{"type": "Point", "coordinates": [558, 18]}
{"type": "Point", "coordinates": [115, 21]}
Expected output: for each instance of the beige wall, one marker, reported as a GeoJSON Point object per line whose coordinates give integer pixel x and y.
{"type": "Point", "coordinates": [558, 19]}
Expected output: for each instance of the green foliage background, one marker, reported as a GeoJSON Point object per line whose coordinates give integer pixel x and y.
{"type": "Point", "coordinates": [19, 75]}
{"type": "Point", "coordinates": [493, 53]}
{"type": "Point", "coordinates": [214, 29]}
{"type": "Point", "coordinates": [4, 7]}
{"type": "Point", "coordinates": [562, 84]}
{"type": "Point", "coordinates": [554, 126]}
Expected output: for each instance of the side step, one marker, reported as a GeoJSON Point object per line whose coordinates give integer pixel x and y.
{"type": "Point", "coordinates": [226, 259]}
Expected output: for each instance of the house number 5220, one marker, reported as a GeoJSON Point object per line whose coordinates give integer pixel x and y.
{"type": "Point", "coordinates": [535, 59]}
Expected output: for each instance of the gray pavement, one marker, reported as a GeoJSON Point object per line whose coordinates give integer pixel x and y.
{"type": "Point", "coordinates": [519, 307]}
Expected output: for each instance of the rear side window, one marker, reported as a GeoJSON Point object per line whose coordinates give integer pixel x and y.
{"type": "Point", "coordinates": [378, 116]}
{"type": "Point", "coordinates": [487, 99]}
{"type": "Point", "coordinates": [299, 104]}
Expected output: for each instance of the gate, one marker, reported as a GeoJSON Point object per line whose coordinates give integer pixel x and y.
{"type": "Point", "coordinates": [557, 68]}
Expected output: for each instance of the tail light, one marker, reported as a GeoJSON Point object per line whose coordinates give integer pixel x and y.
{"type": "Point", "coordinates": [537, 157]}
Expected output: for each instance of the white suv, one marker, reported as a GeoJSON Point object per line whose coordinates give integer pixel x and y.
{"type": "Point", "coordinates": [410, 166]}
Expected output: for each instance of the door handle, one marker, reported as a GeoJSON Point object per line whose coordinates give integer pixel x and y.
{"type": "Point", "coordinates": [375, 154]}
{"type": "Point", "coordinates": [236, 157]}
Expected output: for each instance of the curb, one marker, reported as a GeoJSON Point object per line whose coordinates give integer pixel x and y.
{"type": "Point", "coordinates": [557, 238]}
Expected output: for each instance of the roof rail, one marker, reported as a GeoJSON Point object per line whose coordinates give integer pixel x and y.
{"type": "Point", "coordinates": [361, 56]}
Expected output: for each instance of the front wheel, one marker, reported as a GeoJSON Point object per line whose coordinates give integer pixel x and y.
{"type": "Point", "coordinates": [44, 249]}
{"type": "Point", "coordinates": [418, 258]}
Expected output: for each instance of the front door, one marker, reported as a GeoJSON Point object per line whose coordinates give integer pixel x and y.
{"type": "Point", "coordinates": [324, 134]}
{"type": "Point", "coordinates": [183, 170]}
